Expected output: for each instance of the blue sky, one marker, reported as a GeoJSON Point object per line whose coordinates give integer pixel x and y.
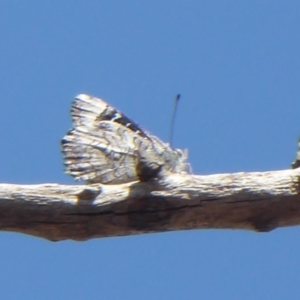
{"type": "Point", "coordinates": [237, 67]}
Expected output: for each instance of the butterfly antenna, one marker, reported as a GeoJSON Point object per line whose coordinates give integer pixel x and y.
{"type": "Point", "coordinates": [173, 117]}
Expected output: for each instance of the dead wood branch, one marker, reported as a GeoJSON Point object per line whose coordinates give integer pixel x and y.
{"type": "Point", "coordinates": [259, 201]}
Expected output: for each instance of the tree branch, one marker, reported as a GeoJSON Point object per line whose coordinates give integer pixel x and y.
{"type": "Point", "coordinates": [259, 201]}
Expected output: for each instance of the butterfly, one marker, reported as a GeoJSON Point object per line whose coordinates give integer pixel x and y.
{"type": "Point", "coordinates": [105, 146]}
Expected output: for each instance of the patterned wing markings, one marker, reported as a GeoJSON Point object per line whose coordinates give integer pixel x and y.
{"type": "Point", "coordinates": [107, 147]}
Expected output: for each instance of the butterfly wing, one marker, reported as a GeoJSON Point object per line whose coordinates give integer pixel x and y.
{"type": "Point", "coordinates": [102, 146]}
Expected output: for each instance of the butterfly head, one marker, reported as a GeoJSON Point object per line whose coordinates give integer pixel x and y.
{"type": "Point", "coordinates": [180, 161]}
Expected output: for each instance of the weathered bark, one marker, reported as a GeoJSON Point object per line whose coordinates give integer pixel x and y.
{"type": "Point", "coordinates": [259, 201]}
